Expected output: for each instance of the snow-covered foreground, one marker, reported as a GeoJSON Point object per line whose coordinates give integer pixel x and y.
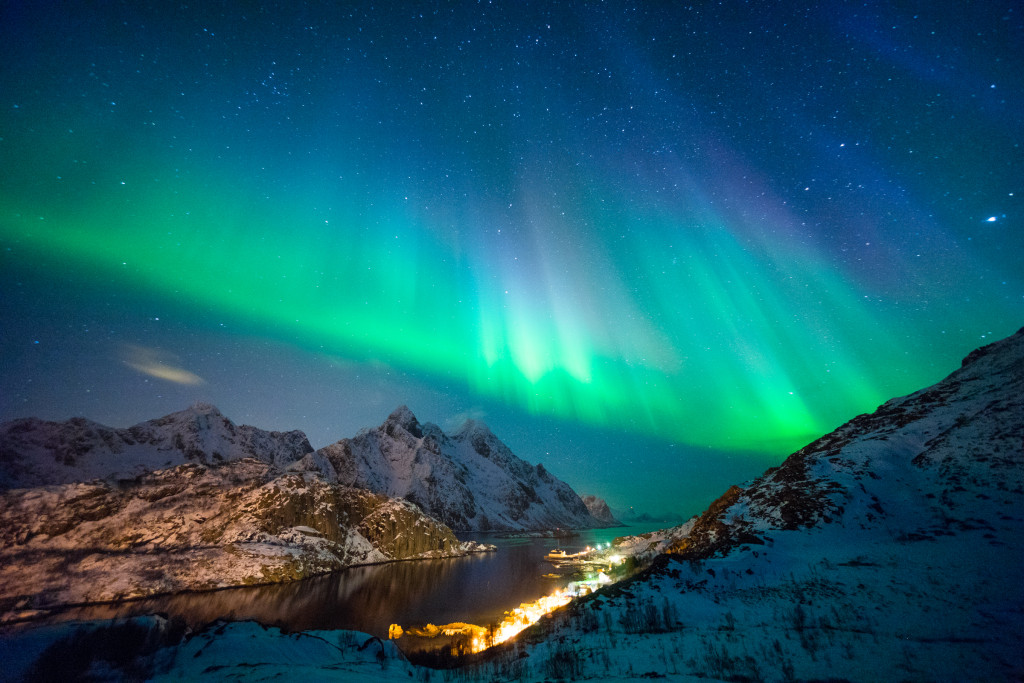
{"type": "Point", "coordinates": [151, 648]}
{"type": "Point", "coordinates": [801, 608]}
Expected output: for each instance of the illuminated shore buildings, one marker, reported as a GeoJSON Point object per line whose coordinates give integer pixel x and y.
{"type": "Point", "coordinates": [518, 619]}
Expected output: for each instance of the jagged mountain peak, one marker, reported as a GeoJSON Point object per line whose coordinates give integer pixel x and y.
{"type": "Point", "coordinates": [203, 414]}
{"type": "Point", "coordinates": [468, 479]}
{"type": "Point", "coordinates": [204, 408]}
{"type": "Point", "coordinates": [403, 418]}
{"type": "Point", "coordinates": [199, 408]}
{"type": "Point", "coordinates": [599, 510]}
{"type": "Point", "coordinates": [403, 415]}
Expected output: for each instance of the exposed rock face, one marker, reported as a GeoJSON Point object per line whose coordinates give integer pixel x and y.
{"type": "Point", "coordinates": [197, 527]}
{"type": "Point", "coordinates": [600, 511]}
{"type": "Point", "coordinates": [469, 480]}
{"type": "Point", "coordinates": [38, 453]}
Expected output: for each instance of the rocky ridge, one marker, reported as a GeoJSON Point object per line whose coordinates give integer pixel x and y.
{"type": "Point", "coordinates": [197, 527]}
{"type": "Point", "coordinates": [36, 452]}
{"type": "Point", "coordinates": [469, 479]}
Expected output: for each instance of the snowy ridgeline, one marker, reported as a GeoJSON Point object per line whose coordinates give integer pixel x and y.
{"type": "Point", "coordinates": [469, 480]}
{"type": "Point", "coordinates": [36, 452]}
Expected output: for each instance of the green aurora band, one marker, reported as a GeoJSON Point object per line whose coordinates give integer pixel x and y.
{"type": "Point", "coordinates": [722, 349]}
{"type": "Point", "coordinates": [649, 220]}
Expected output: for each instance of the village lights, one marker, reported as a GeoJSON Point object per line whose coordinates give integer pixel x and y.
{"type": "Point", "coordinates": [515, 621]}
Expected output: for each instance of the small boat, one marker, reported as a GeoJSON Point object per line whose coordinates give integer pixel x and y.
{"type": "Point", "coordinates": [562, 556]}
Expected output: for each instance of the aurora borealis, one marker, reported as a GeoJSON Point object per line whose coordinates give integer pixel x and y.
{"type": "Point", "coordinates": [655, 247]}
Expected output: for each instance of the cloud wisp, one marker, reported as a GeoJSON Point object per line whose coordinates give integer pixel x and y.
{"type": "Point", "coordinates": [159, 364]}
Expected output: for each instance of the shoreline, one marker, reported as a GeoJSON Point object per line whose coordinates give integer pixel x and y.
{"type": "Point", "coordinates": [41, 614]}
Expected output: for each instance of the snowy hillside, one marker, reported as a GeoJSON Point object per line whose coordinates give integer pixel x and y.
{"type": "Point", "coordinates": [158, 649]}
{"type": "Point", "coordinates": [890, 548]}
{"type": "Point", "coordinates": [469, 480]}
{"type": "Point", "coordinates": [196, 527]}
{"type": "Point", "coordinates": [36, 452]}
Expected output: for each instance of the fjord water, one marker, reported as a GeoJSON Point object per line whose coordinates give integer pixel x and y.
{"type": "Point", "coordinates": [475, 589]}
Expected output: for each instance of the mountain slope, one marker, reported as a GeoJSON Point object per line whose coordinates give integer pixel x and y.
{"type": "Point", "coordinates": [600, 511]}
{"type": "Point", "coordinates": [946, 458]}
{"type": "Point", "coordinates": [890, 548]}
{"type": "Point", "coordinates": [195, 527]}
{"type": "Point", "coordinates": [37, 453]}
{"type": "Point", "coordinates": [469, 480]}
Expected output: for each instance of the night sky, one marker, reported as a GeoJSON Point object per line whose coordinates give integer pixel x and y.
{"type": "Point", "coordinates": [656, 248]}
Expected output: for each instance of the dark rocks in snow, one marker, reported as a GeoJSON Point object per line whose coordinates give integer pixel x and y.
{"type": "Point", "coordinates": [600, 511]}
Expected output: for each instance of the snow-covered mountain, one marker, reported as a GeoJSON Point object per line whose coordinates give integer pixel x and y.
{"type": "Point", "coordinates": [197, 527]}
{"type": "Point", "coordinates": [469, 479]}
{"type": "Point", "coordinates": [890, 548]}
{"type": "Point", "coordinates": [35, 452]}
{"type": "Point", "coordinates": [600, 511]}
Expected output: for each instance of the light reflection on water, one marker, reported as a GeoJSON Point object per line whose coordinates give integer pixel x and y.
{"type": "Point", "coordinates": [476, 589]}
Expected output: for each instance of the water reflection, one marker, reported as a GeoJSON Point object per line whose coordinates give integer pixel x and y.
{"type": "Point", "coordinates": [476, 589]}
